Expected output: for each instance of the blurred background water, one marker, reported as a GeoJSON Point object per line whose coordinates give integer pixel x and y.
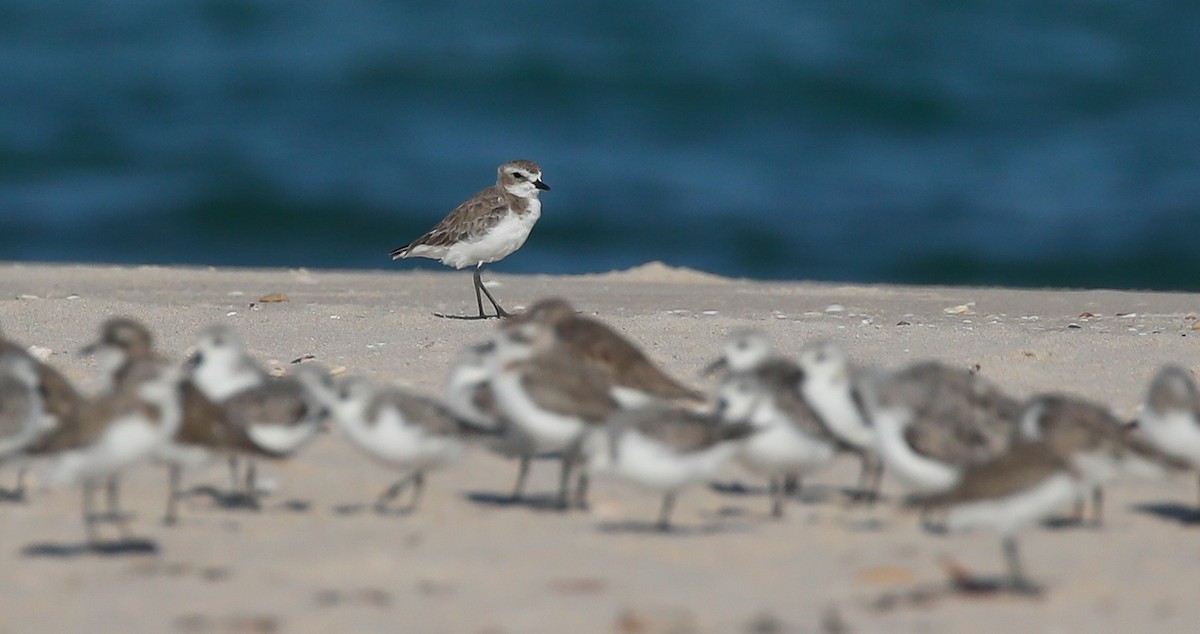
{"type": "Point", "coordinates": [1023, 142]}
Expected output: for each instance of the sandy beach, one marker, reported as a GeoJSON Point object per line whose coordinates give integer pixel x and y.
{"type": "Point", "coordinates": [318, 559]}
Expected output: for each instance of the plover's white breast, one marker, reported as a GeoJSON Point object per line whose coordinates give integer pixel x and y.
{"type": "Point", "coordinates": [498, 242]}
{"type": "Point", "coordinates": [917, 472]}
{"type": "Point", "coordinates": [1176, 433]}
{"type": "Point", "coordinates": [550, 431]}
{"type": "Point", "coordinates": [832, 401]}
{"type": "Point", "coordinates": [1009, 513]}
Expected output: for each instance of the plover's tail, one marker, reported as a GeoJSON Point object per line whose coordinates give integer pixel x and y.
{"type": "Point", "coordinates": [399, 253]}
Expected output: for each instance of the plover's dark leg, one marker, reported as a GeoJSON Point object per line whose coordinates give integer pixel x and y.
{"type": "Point", "coordinates": [664, 512]}
{"type": "Point", "coordinates": [235, 483]}
{"type": "Point", "coordinates": [581, 490]}
{"type": "Point", "coordinates": [89, 514]}
{"type": "Point", "coordinates": [564, 480]}
{"type": "Point", "coordinates": [777, 491]}
{"type": "Point", "coordinates": [19, 492]}
{"type": "Point", "coordinates": [112, 497]}
{"type": "Point", "coordinates": [522, 472]}
{"type": "Point", "coordinates": [500, 312]}
{"type": "Point", "coordinates": [1097, 505]}
{"type": "Point", "coordinates": [1017, 580]}
{"type": "Point", "coordinates": [174, 475]}
{"type": "Point", "coordinates": [418, 489]}
{"type": "Point", "coordinates": [393, 491]}
{"type": "Point", "coordinates": [791, 484]}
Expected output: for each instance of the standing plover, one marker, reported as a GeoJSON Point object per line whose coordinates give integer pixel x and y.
{"type": "Point", "coordinates": [486, 228]}
{"type": "Point", "coordinates": [401, 430]}
{"type": "Point", "coordinates": [1170, 417]}
{"type": "Point", "coordinates": [635, 379]}
{"type": "Point", "coordinates": [60, 402]}
{"type": "Point", "coordinates": [278, 414]}
{"type": "Point", "coordinates": [23, 416]}
{"type": "Point", "coordinates": [789, 439]}
{"type": "Point", "coordinates": [553, 397]}
{"type": "Point", "coordinates": [931, 420]}
{"type": "Point", "coordinates": [663, 448]}
{"type": "Point", "coordinates": [468, 395]}
{"type": "Point", "coordinates": [114, 432]}
{"type": "Point", "coordinates": [1023, 485]}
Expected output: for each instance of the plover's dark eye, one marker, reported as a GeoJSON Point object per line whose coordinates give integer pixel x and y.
{"type": "Point", "coordinates": [519, 176]}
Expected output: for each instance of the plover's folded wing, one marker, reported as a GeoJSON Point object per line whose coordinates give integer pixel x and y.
{"type": "Point", "coordinates": [1023, 466]}
{"type": "Point", "coordinates": [469, 220]}
{"type": "Point", "coordinates": [560, 385]}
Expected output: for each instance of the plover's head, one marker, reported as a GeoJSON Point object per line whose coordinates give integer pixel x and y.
{"type": "Point", "coordinates": [122, 340]}
{"type": "Point", "coordinates": [20, 368]}
{"type": "Point", "coordinates": [475, 365]}
{"type": "Point", "coordinates": [744, 350]}
{"type": "Point", "coordinates": [522, 179]}
{"type": "Point", "coordinates": [824, 360]}
{"type": "Point", "coordinates": [1172, 391]}
{"type": "Point", "coordinates": [551, 310]}
{"type": "Point", "coordinates": [518, 340]}
{"type": "Point", "coordinates": [351, 397]}
{"type": "Point", "coordinates": [738, 396]}
{"type": "Point", "coordinates": [218, 345]}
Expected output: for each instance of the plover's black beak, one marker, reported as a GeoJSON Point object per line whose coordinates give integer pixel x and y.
{"type": "Point", "coordinates": [193, 362]}
{"type": "Point", "coordinates": [714, 367]}
{"type": "Point", "coordinates": [89, 349]}
{"type": "Point", "coordinates": [540, 185]}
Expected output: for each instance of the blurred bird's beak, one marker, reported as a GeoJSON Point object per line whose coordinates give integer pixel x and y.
{"type": "Point", "coordinates": [714, 367]}
{"type": "Point", "coordinates": [89, 349]}
{"type": "Point", "coordinates": [540, 185]}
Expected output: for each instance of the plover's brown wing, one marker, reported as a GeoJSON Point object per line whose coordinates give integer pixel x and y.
{"type": "Point", "coordinates": [559, 384]}
{"type": "Point", "coordinates": [61, 398]}
{"type": "Point", "coordinates": [207, 424]}
{"type": "Point", "coordinates": [469, 220]}
{"type": "Point", "coordinates": [683, 430]}
{"type": "Point", "coordinates": [417, 410]}
{"type": "Point", "coordinates": [1024, 465]}
{"type": "Point", "coordinates": [625, 363]}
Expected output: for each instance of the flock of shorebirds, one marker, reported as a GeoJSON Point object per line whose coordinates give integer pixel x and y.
{"type": "Point", "coordinates": [552, 382]}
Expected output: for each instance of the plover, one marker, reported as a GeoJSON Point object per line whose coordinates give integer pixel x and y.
{"type": "Point", "coordinates": [115, 431]}
{"type": "Point", "coordinates": [1092, 440]}
{"type": "Point", "coordinates": [60, 401]}
{"type": "Point", "coordinates": [789, 439]}
{"type": "Point", "coordinates": [663, 448]}
{"type": "Point", "coordinates": [486, 228]}
{"type": "Point", "coordinates": [828, 385]}
{"type": "Point", "coordinates": [278, 414]}
{"type": "Point", "coordinates": [468, 395]}
{"type": "Point", "coordinates": [550, 395]}
{"type": "Point", "coordinates": [636, 380]}
{"type": "Point", "coordinates": [206, 429]}
{"type": "Point", "coordinates": [743, 351]}
{"type": "Point", "coordinates": [398, 429]}
{"type": "Point", "coordinates": [23, 417]}
{"type": "Point", "coordinates": [1026, 484]}
{"type": "Point", "coordinates": [931, 420]}
{"type": "Point", "coordinates": [1170, 417]}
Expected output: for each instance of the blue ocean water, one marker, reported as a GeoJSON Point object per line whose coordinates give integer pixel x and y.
{"type": "Point", "coordinates": [1023, 143]}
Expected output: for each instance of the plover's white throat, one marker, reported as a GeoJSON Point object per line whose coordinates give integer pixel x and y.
{"type": "Point", "coordinates": [663, 448]}
{"type": "Point", "coordinates": [1026, 484]}
{"type": "Point", "coordinates": [400, 430]}
{"type": "Point", "coordinates": [828, 385]}
{"type": "Point", "coordinates": [1170, 417]}
{"type": "Point", "coordinates": [930, 420]}
{"type": "Point", "coordinates": [550, 394]}
{"type": "Point", "coordinates": [635, 379]}
{"type": "Point", "coordinates": [487, 227]}
{"type": "Point", "coordinates": [789, 439]}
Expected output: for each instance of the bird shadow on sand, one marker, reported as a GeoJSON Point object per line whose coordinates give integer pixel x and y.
{"type": "Point", "coordinates": [131, 546]}
{"type": "Point", "coordinates": [532, 502]}
{"type": "Point", "coordinates": [12, 496]}
{"type": "Point", "coordinates": [634, 527]}
{"type": "Point", "coordinates": [1186, 515]}
{"type": "Point", "coordinates": [968, 588]}
{"type": "Point", "coordinates": [812, 494]}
